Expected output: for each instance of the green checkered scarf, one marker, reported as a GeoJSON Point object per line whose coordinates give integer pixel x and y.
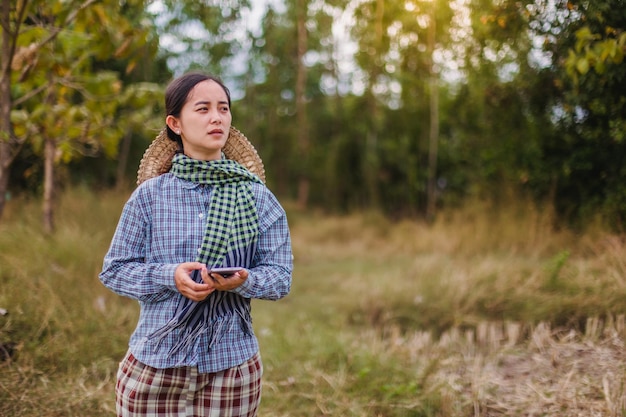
{"type": "Point", "coordinates": [232, 228]}
{"type": "Point", "coordinates": [232, 221]}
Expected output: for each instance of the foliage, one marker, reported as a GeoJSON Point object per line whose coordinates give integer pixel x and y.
{"type": "Point", "coordinates": [61, 90]}
{"type": "Point", "coordinates": [201, 35]}
{"type": "Point", "coordinates": [591, 51]}
{"type": "Point", "coordinates": [588, 154]}
{"type": "Point", "coordinates": [529, 97]}
{"type": "Point", "coordinates": [73, 101]}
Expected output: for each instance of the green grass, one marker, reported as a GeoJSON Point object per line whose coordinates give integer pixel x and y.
{"type": "Point", "coordinates": [384, 319]}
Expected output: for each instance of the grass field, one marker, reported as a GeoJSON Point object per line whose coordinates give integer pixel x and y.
{"type": "Point", "coordinates": [489, 311]}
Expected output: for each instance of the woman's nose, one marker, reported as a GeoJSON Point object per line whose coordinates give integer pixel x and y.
{"type": "Point", "coordinates": [214, 116]}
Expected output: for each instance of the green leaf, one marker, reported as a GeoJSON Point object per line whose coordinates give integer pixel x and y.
{"type": "Point", "coordinates": [583, 38]}
{"type": "Point", "coordinates": [611, 45]}
{"type": "Point", "coordinates": [604, 50]}
{"type": "Point", "coordinates": [582, 65]}
{"type": "Point", "coordinates": [600, 67]}
{"type": "Point", "coordinates": [584, 33]}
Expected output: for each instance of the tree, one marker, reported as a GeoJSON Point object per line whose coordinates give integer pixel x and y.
{"type": "Point", "coordinates": [54, 96]}
{"type": "Point", "coordinates": [284, 103]}
{"type": "Point", "coordinates": [302, 8]}
{"type": "Point", "coordinates": [397, 43]}
{"type": "Point", "coordinates": [565, 77]}
{"type": "Point", "coordinates": [206, 35]}
{"type": "Point", "coordinates": [589, 111]}
{"type": "Point", "coordinates": [496, 120]}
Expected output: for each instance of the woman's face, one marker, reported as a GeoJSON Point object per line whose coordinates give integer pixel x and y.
{"type": "Point", "coordinates": [204, 122]}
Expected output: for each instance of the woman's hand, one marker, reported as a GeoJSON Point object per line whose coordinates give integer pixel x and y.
{"type": "Point", "coordinates": [190, 288]}
{"type": "Point", "coordinates": [228, 283]}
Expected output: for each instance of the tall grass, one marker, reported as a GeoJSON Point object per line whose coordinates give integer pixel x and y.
{"type": "Point", "coordinates": [488, 311]}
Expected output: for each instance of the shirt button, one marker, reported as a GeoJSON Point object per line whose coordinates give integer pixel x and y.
{"type": "Point", "coordinates": [199, 250]}
{"type": "Point", "coordinates": [201, 215]}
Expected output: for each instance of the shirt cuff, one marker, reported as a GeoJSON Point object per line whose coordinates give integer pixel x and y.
{"type": "Point", "coordinates": [245, 289]}
{"type": "Point", "coordinates": [166, 276]}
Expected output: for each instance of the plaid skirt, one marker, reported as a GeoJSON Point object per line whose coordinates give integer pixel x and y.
{"type": "Point", "coordinates": [149, 392]}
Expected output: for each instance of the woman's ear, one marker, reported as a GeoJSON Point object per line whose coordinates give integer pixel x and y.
{"type": "Point", "coordinates": [173, 123]}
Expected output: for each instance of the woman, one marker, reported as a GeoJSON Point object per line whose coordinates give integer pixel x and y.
{"type": "Point", "coordinates": [194, 352]}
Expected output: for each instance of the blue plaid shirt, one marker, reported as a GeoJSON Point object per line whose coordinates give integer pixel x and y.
{"type": "Point", "coordinates": [161, 226]}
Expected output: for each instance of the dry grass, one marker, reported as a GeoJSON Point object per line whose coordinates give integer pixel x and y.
{"type": "Point", "coordinates": [486, 312]}
{"type": "Point", "coordinates": [494, 372]}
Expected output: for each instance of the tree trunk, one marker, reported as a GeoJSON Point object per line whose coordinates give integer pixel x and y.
{"type": "Point", "coordinates": [303, 128]}
{"type": "Point", "coordinates": [49, 185]}
{"type": "Point", "coordinates": [434, 125]}
{"type": "Point", "coordinates": [4, 174]}
{"type": "Point", "coordinates": [372, 160]}
{"type": "Point", "coordinates": [5, 101]}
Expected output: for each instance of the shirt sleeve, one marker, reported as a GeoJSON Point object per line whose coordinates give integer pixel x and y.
{"type": "Point", "coordinates": [124, 270]}
{"type": "Point", "coordinates": [271, 274]}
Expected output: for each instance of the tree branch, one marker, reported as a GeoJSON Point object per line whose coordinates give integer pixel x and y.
{"type": "Point", "coordinates": [68, 20]}
{"type": "Point", "coordinates": [12, 36]}
{"type": "Point", "coordinates": [30, 94]}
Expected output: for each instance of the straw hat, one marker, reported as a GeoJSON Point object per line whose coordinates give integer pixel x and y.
{"type": "Point", "coordinates": [157, 159]}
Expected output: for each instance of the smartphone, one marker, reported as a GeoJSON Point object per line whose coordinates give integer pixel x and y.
{"type": "Point", "coordinates": [226, 272]}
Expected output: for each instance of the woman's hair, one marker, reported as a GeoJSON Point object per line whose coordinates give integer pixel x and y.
{"type": "Point", "coordinates": [177, 92]}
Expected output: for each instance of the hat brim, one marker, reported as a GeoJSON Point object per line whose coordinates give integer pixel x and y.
{"type": "Point", "coordinates": [157, 159]}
